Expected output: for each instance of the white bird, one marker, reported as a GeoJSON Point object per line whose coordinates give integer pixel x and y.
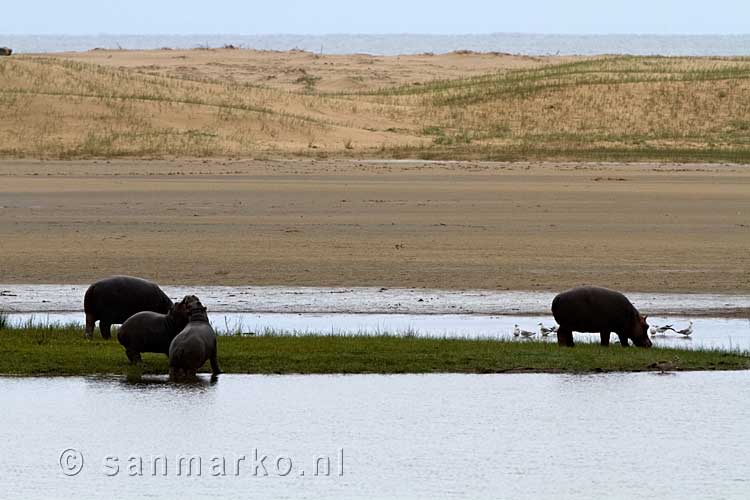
{"type": "Point", "coordinates": [523, 333]}
{"type": "Point", "coordinates": [546, 331]}
{"type": "Point", "coordinates": [654, 330]}
{"type": "Point", "coordinates": [686, 331]}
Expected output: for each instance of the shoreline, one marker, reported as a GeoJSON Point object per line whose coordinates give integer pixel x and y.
{"type": "Point", "coordinates": [68, 298]}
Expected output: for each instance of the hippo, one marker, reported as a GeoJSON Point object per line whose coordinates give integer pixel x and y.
{"type": "Point", "coordinates": [5, 51]}
{"type": "Point", "coordinates": [598, 310]}
{"type": "Point", "coordinates": [113, 300]}
{"type": "Point", "coordinates": [148, 331]}
{"type": "Point", "coordinates": [195, 344]}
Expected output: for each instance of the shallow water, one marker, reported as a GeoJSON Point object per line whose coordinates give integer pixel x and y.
{"type": "Point", "coordinates": [270, 299]}
{"type": "Point", "coordinates": [423, 436]}
{"type": "Point", "coordinates": [721, 333]}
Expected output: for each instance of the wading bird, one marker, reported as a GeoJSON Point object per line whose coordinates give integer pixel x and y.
{"type": "Point", "coordinates": [523, 333]}
{"type": "Point", "coordinates": [659, 330]}
{"type": "Point", "coordinates": [686, 331]}
{"type": "Point", "coordinates": [546, 331]}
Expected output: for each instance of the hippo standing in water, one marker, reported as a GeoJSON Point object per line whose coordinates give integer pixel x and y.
{"type": "Point", "coordinates": [148, 331]}
{"type": "Point", "coordinates": [195, 344]}
{"type": "Point", "coordinates": [113, 300]}
{"type": "Point", "coordinates": [598, 310]}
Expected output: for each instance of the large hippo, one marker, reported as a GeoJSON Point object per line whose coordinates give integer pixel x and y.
{"type": "Point", "coordinates": [195, 344]}
{"type": "Point", "coordinates": [5, 51]}
{"type": "Point", "coordinates": [598, 310]}
{"type": "Point", "coordinates": [113, 300]}
{"type": "Point", "coordinates": [148, 331]}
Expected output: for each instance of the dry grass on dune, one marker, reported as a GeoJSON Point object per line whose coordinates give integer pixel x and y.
{"type": "Point", "coordinates": [589, 108]}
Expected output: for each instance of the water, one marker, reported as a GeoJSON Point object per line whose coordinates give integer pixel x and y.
{"type": "Point", "coordinates": [718, 333]}
{"type": "Point", "coordinates": [421, 436]}
{"type": "Point", "coordinates": [270, 299]}
{"type": "Point", "coordinates": [723, 321]}
{"type": "Point", "coordinates": [515, 43]}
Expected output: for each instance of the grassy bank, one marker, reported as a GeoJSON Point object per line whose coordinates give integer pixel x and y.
{"type": "Point", "coordinates": [606, 108]}
{"type": "Point", "coordinates": [63, 351]}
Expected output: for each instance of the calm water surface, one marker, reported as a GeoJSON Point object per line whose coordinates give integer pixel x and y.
{"type": "Point", "coordinates": [720, 333]}
{"type": "Point", "coordinates": [723, 323]}
{"type": "Point", "coordinates": [422, 436]}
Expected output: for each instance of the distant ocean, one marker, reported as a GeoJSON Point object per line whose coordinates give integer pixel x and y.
{"type": "Point", "coordinates": [668, 45]}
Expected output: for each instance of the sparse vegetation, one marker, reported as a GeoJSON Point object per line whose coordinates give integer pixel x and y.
{"type": "Point", "coordinates": [308, 81]}
{"type": "Point", "coordinates": [608, 108]}
{"type": "Point", "coordinates": [61, 350]}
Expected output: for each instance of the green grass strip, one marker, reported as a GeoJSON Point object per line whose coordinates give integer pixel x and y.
{"type": "Point", "coordinates": [61, 350]}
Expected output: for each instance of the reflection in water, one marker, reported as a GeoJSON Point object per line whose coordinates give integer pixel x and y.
{"type": "Point", "coordinates": [138, 382]}
{"type": "Point", "coordinates": [417, 436]}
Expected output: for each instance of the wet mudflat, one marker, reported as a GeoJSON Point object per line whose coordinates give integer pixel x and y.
{"type": "Point", "coordinates": [418, 436]}
{"type": "Point", "coordinates": [373, 300]}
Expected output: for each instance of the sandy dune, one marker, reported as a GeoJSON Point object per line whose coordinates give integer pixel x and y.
{"type": "Point", "coordinates": [294, 70]}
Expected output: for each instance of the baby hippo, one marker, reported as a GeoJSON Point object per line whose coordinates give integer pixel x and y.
{"type": "Point", "coordinates": [151, 332]}
{"type": "Point", "coordinates": [195, 344]}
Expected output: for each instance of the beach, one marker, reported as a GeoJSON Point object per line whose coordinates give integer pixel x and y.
{"type": "Point", "coordinates": [443, 225]}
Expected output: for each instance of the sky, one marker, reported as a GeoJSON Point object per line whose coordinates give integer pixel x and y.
{"type": "Point", "coordinates": [378, 16]}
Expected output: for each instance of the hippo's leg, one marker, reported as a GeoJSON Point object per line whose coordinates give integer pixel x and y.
{"type": "Point", "coordinates": [176, 374]}
{"type": "Point", "coordinates": [105, 329]}
{"type": "Point", "coordinates": [623, 340]}
{"type": "Point", "coordinates": [605, 338]}
{"type": "Point", "coordinates": [565, 337]}
{"type": "Point", "coordinates": [215, 366]}
{"type": "Point", "coordinates": [90, 322]}
{"type": "Point", "coordinates": [134, 357]}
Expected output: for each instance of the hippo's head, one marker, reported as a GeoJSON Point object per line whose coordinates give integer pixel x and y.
{"type": "Point", "coordinates": [194, 308]}
{"type": "Point", "coordinates": [179, 313]}
{"type": "Point", "coordinates": [191, 302]}
{"type": "Point", "coordinates": [639, 335]}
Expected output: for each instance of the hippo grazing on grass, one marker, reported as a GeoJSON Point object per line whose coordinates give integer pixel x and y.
{"type": "Point", "coordinates": [113, 300]}
{"type": "Point", "coordinates": [5, 51]}
{"type": "Point", "coordinates": [148, 331]}
{"type": "Point", "coordinates": [598, 310]}
{"type": "Point", "coordinates": [195, 344]}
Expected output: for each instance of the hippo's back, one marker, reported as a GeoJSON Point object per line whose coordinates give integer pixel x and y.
{"type": "Point", "coordinates": [193, 346]}
{"type": "Point", "coordinates": [116, 298]}
{"type": "Point", "coordinates": [593, 309]}
{"type": "Point", "coordinates": [145, 331]}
